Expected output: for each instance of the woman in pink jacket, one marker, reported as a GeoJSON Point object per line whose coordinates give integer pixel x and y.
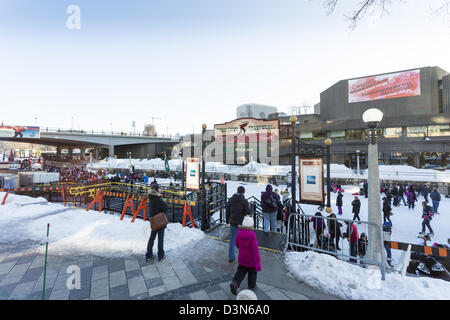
{"type": "Point", "coordinates": [249, 258]}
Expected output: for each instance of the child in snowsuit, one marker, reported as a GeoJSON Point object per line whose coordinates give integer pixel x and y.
{"type": "Point", "coordinates": [249, 258]}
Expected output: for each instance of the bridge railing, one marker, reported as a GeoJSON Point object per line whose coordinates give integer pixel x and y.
{"type": "Point", "coordinates": [103, 132]}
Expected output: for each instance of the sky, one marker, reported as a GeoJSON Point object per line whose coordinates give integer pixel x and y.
{"type": "Point", "coordinates": [188, 62]}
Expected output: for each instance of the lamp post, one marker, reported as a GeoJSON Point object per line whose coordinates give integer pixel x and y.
{"type": "Point", "coordinates": [372, 118]}
{"type": "Point", "coordinates": [357, 162]}
{"type": "Point", "coordinates": [293, 120]}
{"type": "Point", "coordinates": [182, 171]}
{"type": "Point", "coordinates": [328, 143]}
{"type": "Point", "coordinates": [203, 179]}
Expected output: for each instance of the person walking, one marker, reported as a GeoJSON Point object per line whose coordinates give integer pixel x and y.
{"type": "Point", "coordinates": [157, 206]}
{"type": "Point", "coordinates": [334, 229]}
{"type": "Point", "coordinates": [356, 205]}
{"type": "Point", "coordinates": [366, 189]}
{"type": "Point", "coordinates": [270, 204]}
{"type": "Point", "coordinates": [236, 209]}
{"type": "Point", "coordinates": [435, 199]}
{"type": "Point", "coordinates": [427, 215]}
{"type": "Point", "coordinates": [387, 210]}
{"type": "Point", "coordinates": [401, 193]}
{"type": "Point", "coordinates": [412, 198]}
{"type": "Point", "coordinates": [426, 191]}
{"type": "Point", "coordinates": [395, 196]}
{"type": "Point", "coordinates": [339, 202]}
{"type": "Point", "coordinates": [249, 258]}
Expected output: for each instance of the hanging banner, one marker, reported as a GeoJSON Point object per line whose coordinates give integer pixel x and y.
{"type": "Point", "coordinates": [192, 174]}
{"type": "Point", "coordinates": [311, 181]}
{"type": "Point", "coordinates": [19, 132]}
{"type": "Point", "coordinates": [387, 86]}
{"type": "Point", "coordinates": [255, 130]}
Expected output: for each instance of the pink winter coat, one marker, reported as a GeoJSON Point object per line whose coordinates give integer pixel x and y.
{"type": "Point", "coordinates": [248, 249]}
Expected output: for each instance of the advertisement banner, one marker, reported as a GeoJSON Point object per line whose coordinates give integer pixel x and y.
{"type": "Point", "coordinates": [311, 181]}
{"type": "Point", "coordinates": [19, 132]}
{"type": "Point", "coordinates": [388, 86]}
{"type": "Point", "coordinates": [254, 130]}
{"type": "Point", "coordinates": [192, 174]}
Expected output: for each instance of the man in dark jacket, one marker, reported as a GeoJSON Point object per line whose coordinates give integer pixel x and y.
{"type": "Point", "coordinates": [236, 209]}
{"type": "Point", "coordinates": [435, 198]}
{"type": "Point", "coordinates": [356, 204]}
{"type": "Point", "coordinates": [386, 210]}
{"type": "Point", "coordinates": [366, 189]}
{"type": "Point", "coordinates": [157, 205]}
{"type": "Point", "coordinates": [339, 203]}
{"type": "Point", "coordinates": [270, 205]}
{"type": "Point", "coordinates": [401, 194]}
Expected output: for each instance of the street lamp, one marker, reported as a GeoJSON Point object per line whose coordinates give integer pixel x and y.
{"type": "Point", "coordinates": [357, 163]}
{"type": "Point", "coordinates": [372, 118]}
{"type": "Point", "coordinates": [328, 143]}
{"type": "Point", "coordinates": [293, 120]}
{"type": "Point", "coordinates": [203, 179]}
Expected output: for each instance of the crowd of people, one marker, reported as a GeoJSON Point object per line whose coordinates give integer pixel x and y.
{"type": "Point", "coordinates": [77, 174]}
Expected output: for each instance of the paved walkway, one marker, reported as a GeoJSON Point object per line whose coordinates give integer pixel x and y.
{"type": "Point", "coordinates": [201, 272]}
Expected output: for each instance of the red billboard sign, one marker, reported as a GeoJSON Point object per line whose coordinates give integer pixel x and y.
{"type": "Point", "coordinates": [387, 86]}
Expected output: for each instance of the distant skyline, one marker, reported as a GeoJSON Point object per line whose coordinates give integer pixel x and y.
{"type": "Point", "coordinates": [188, 62]}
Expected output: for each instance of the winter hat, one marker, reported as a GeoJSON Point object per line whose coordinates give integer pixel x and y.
{"type": "Point", "coordinates": [247, 222]}
{"type": "Point", "coordinates": [246, 295]}
{"type": "Point", "coordinates": [269, 188]}
{"type": "Point", "coordinates": [241, 189]}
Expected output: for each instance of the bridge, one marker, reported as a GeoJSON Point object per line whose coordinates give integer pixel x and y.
{"type": "Point", "coordinates": [115, 143]}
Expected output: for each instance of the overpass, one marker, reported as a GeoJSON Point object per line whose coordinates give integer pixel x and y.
{"type": "Point", "coordinates": [118, 143]}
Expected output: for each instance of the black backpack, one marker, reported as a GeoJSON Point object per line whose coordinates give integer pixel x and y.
{"type": "Point", "coordinates": [271, 202]}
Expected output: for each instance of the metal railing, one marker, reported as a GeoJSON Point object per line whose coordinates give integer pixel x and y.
{"type": "Point", "coordinates": [104, 132]}
{"type": "Point", "coordinates": [303, 236]}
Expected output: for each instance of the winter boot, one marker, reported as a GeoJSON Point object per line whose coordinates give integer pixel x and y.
{"type": "Point", "coordinates": [233, 287]}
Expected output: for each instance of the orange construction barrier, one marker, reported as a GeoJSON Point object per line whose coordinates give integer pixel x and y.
{"type": "Point", "coordinates": [98, 198]}
{"type": "Point", "coordinates": [6, 196]}
{"type": "Point", "coordinates": [188, 211]}
{"type": "Point", "coordinates": [128, 203]}
{"type": "Point", "coordinates": [64, 196]}
{"type": "Point", "coordinates": [142, 206]}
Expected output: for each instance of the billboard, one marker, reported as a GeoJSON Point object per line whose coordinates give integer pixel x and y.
{"type": "Point", "coordinates": [192, 174]}
{"type": "Point", "coordinates": [387, 86]}
{"type": "Point", "coordinates": [311, 181]}
{"type": "Point", "coordinates": [254, 130]}
{"type": "Point", "coordinates": [19, 132]}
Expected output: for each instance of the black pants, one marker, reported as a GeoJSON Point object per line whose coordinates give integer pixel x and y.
{"type": "Point", "coordinates": [356, 217]}
{"type": "Point", "coordinates": [332, 237]}
{"type": "Point", "coordinates": [411, 204]}
{"type": "Point", "coordinates": [318, 234]}
{"type": "Point", "coordinates": [426, 223]}
{"type": "Point", "coordinates": [160, 234]}
{"type": "Point", "coordinates": [387, 216]}
{"type": "Point", "coordinates": [241, 273]}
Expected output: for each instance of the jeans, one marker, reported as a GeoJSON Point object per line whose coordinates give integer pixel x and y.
{"type": "Point", "coordinates": [160, 234]}
{"type": "Point", "coordinates": [426, 223]}
{"type": "Point", "coordinates": [241, 273]}
{"type": "Point", "coordinates": [233, 233]}
{"type": "Point", "coordinates": [270, 221]}
{"type": "Point", "coordinates": [401, 198]}
{"type": "Point", "coordinates": [388, 253]}
{"type": "Point", "coordinates": [435, 206]}
{"type": "Point", "coordinates": [353, 251]}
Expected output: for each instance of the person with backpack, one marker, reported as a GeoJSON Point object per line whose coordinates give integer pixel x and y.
{"type": "Point", "coordinates": [236, 209]}
{"type": "Point", "coordinates": [270, 204]}
{"type": "Point", "coordinates": [435, 199]}
{"type": "Point", "coordinates": [427, 215]}
{"type": "Point", "coordinates": [356, 205]}
{"type": "Point", "coordinates": [334, 229]}
{"type": "Point", "coordinates": [157, 206]}
{"type": "Point", "coordinates": [339, 202]}
{"type": "Point", "coordinates": [249, 258]}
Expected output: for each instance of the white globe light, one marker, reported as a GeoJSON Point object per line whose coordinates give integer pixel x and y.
{"type": "Point", "coordinates": [372, 115]}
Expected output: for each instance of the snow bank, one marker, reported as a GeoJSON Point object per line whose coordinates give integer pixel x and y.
{"type": "Point", "coordinates": [76, 232]}
{"type": "Point", "coordinates": [348, 281]}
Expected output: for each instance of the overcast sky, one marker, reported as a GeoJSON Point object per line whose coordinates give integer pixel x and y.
{"type": "Point", "coordinates": [190, 62]}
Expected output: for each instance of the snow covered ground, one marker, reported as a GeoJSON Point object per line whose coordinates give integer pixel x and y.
{"type": "Point", "coordinates": [348, 281]}
{"type": "Point", "coordinates": [337, 171]}
{"type": "Point", "coordinates": [76, 231]}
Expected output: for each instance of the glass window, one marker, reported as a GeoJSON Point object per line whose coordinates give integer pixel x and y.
{"type": "Point", "coordinates": [319, 135]}
{"type": "Point", "coordinates": [354, 134]}
{"type": "Point", "coordinates": [392, 133]}
{"type": "Point", "coordinates": [306, 135]}
{"type": "Point", "coordinates": [337, 134]}
{"type": "Point", "coordinates": [417, 132]}
{"type": "Point", "coordinates": [439, 131]}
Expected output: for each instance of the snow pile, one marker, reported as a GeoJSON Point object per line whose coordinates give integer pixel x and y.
{"type": "Point", "coordinates": [348, 281]}
{"type": "Point", "coordinates": [76, 231]}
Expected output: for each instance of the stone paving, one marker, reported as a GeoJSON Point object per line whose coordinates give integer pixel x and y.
{"type": "Point", "coordinates": [200, 272]}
